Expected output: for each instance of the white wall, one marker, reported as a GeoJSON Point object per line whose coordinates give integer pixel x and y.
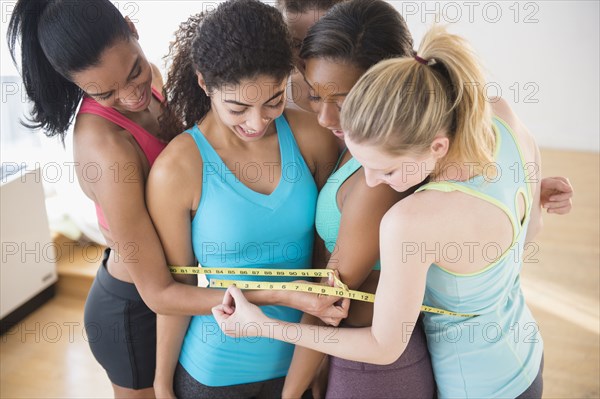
{"type": "Point", "coordinates": [542, 56]}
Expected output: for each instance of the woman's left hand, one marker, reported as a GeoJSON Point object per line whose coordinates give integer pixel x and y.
{"type": "Point", "coordinates": [239, 318]}
{"type": "Point", "coordinates": [556, 195]}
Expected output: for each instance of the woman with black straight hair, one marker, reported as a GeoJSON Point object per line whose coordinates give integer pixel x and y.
{"type": "Point", "coordinates": [87, 53]}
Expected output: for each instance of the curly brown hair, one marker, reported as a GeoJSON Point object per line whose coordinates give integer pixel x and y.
{"type": "Point", "coordinates": [239, 40]}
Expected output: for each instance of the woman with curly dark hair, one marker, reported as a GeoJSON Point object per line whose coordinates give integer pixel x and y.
{"type": "Point", "coordinates": [237, 189]}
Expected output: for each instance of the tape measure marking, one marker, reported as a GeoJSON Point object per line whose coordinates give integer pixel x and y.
{"type": "Point", "coordinates": [340, 289]}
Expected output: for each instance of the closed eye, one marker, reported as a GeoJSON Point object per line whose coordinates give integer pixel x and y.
{"type": "Point", "coordinates": [137, 73]}
{"type": "Point", "coordinates": [103, 97]}
{"type": "Point", "coordinates": [276, 105]}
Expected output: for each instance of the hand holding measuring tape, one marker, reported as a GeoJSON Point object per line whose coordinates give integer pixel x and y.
{"type": "Point", "coordinates": [326, 305]}
{"type": "Point", "coordinates": [339, 289]}
{"type": "Point", "coordinates": [235, 313]}
{"type": "Point", "coordinates": [330, 309]}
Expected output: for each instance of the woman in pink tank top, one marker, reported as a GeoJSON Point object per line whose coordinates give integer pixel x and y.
{"type": "Point", "coordinates": [100, 64]}
{"type": "Point", "coordinates": [67, 58]}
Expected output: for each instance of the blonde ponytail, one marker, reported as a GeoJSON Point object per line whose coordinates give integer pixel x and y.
{"type": "Point", "coordinates": [403, 103]}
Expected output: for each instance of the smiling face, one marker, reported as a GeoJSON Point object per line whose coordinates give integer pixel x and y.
{"type": "Point", "coordinates": [400, 172]}
{"type": "Point", "coordinates": [248, 108]}
{"type": "Point", "coordinates": [329, 82]}
{"type": "Point", "coordinates": [122, 78]}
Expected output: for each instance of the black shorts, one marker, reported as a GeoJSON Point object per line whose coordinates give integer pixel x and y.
{"type": "Point", "coordinates": [121, 330]}
{"type": "Point", "coordinates": [186, 387]}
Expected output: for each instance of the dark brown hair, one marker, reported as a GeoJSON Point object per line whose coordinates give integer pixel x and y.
{"type": "Point", "coordinates": [239, 40]}
{"type": "Point", "coordinates": [360, 32]}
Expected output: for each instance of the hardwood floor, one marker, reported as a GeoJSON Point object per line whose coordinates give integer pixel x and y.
{"type": "Point", "coordinates": [563, 286]}
{"type": "Point", "coordinates": [47, 355]}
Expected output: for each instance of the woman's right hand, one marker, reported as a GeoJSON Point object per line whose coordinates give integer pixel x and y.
{"type": "Point", "coordinates": [330, 309]}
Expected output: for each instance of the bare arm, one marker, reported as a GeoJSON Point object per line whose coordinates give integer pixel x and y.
{"type": "Point", "coordinates": [119, 190]}
{"type": "Point", "coordinates": [399, 298]}
{"type": "Point", "coordinates": [536, 222]}
{"type": "Point", "coordinates": [172, 217]}
{"type": "Point", "coordinates": [173, 193]}
{"type": "Point", "coordinates": [355, 254]}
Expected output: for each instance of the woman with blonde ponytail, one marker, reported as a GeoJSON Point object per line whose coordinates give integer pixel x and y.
{"type": "Point", "coordinates": [456, 245]}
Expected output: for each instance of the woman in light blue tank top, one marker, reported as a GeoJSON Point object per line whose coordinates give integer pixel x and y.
{"type": "Point", "coordinates": [457, 243]}
{"type": "Point", "coordinates": [238, 189]}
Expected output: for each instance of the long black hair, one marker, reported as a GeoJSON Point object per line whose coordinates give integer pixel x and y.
{"type": "Point", "coordinates": [58, 38]}
{"type": "Point", "coordinates": [239, 40]}
{"type": "Point", "coordinates": [360, 32]}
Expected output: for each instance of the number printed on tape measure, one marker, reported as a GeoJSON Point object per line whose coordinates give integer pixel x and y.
{"type": "Point", "coordinates": [339, 289]}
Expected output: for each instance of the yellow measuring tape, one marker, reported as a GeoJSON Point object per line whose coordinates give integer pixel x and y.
{"type": "Point", "coordinates": [340, 289]}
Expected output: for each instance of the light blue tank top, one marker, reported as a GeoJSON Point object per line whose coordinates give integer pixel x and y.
{"type": "Point", "coordinates": [329, 217]}
{"type": "Point", "coordinates": [498, 353]}
{"type": "Point", "coordinates": [235, 226]}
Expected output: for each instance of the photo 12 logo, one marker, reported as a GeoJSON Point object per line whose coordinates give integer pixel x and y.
{"type": "Point", "coordinates": [452, 12]}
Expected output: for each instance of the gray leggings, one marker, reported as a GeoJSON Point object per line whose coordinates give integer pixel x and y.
{"type": "Point", "coordinates": [411, 376]}
{"type": "Point", "coordinates": [537, 387]}
{"type": "Point", "coordinates": [185, 386]}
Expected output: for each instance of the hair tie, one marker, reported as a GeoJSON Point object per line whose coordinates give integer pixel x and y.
{"type": "Point", "coordinates": [421, 60]}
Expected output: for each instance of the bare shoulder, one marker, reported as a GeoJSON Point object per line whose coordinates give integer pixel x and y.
{"type": "Point", "coordinates": [99, 140]}
{"type": "Point", "coordinates": [363, 197]}
{"type": "Point", "coordinates": [157, 79]}
{"type": "Point", "coordinates": [420, 215]}
{"type": "Point", "coordinates": [177, 170]}
{"type": "Point", "coordinates": [318, 146]}
{"type": "Point", "coordinates": [502, 109]}
{"type": "Point", "coordinates": [179, 161]}
{"type": "Point", "coordinates": [309, 135]}
{"type": "Point", "coordinates": [300, 120]}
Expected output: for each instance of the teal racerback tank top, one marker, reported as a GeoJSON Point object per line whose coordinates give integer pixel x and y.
{"type": "Point", "coordinates": [235, 226]}
{"type": "Point", "coordinates": [498, 353]}
{"type": "Point", "coordinates": [328, 214]}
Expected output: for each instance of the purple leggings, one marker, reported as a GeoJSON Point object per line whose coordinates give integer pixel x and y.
{"type": "Point", "coordinates": [411, 376]}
